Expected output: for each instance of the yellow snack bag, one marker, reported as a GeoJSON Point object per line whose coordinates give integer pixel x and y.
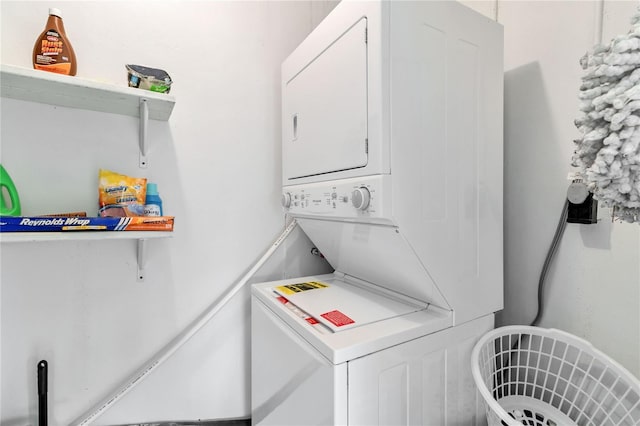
{"type": "Point", "coordinates": [120, 195]}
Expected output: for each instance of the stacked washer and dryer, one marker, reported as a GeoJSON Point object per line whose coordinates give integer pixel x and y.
{"type": "Point", "coordinates": [392, 166]}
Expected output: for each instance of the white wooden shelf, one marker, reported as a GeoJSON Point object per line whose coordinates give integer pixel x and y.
{"type": "Point", "coordinates": [32, 237]}
{"type": "Point", "coordinates": [75, 92]}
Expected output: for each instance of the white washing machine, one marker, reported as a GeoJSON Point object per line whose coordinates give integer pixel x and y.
{"type": "Point", "coordinates": [392, 166]}
{"type": "Point", "coordinates": [348, 354]}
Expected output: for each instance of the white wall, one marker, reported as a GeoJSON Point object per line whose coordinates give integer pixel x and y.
{"type": "Point", "coordinates": [593, 286]}
{"type": "Point", "coordinates": [217, 165]}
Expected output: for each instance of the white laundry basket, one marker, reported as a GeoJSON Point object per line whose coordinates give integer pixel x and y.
{"type": "Point", "coordinates": [545, 377]}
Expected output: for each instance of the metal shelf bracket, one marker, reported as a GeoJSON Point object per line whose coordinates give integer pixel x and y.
{"type": "Point", "coordinates": [142, 246]}
{"type": "Point", "coordinates": [144, 120]}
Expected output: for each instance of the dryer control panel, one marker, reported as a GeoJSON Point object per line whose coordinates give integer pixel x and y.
{"type": "Point", "coordinates": [357, 198]}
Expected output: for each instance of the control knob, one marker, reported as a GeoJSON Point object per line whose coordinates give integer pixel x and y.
{"type": "Point", "coordinates": [286, 200]}
{"type": "Point", "coordinates": [360, 198]}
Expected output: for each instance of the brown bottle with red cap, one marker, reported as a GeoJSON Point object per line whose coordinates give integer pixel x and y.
{"type": "Point", "coordinates": [52, 51]}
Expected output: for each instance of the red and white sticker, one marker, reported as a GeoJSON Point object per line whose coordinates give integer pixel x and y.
{"type": "Point", "coordinates": [337, 318]}
{"type": "Point", "coordinates": [317, 325]}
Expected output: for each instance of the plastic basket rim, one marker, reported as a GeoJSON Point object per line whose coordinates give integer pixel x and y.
{"type": "Point", "coordinates": [543, 332]}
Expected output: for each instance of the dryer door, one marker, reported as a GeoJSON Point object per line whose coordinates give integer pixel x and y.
{"type": "Point", "coordinates": [325, 109]}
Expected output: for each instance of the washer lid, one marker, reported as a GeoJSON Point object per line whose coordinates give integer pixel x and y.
{"type": "Point", "coordinates": [378, 321]}
{"type": "Point", "coordinates": [340, 306]}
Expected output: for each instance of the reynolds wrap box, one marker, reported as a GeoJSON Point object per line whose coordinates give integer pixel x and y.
{"type": "Point", "coordinates": [57, 224]}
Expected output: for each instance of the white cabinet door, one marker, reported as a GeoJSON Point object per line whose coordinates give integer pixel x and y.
{"type": "Point", "coordinates": [325, 109]}
{"type": "Point", "coordinates": [425, 381]}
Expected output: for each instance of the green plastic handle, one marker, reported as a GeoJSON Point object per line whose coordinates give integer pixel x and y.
{"type": "Point", "coordinates": [7, 185]}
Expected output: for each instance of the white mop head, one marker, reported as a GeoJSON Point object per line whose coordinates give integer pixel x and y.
{"type": "Point", "coordinates": [608, 153]}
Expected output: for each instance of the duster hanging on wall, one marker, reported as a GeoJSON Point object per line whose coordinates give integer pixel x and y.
{"type": "Point", "coordinates": [608, 153]}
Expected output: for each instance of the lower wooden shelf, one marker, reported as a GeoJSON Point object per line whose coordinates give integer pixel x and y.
{"type": "Point", "coordinates": [30, 237]}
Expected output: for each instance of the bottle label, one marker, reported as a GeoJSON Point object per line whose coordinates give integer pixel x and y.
{"type": "Point", "coordinates": [152, 210]}
{"type": "Point", "coordinates": [53, 54]}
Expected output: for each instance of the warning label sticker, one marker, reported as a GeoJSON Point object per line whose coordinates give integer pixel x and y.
{"type": "Point", "coordinates": [337, 318]}
{"type": "Point", "coordinates": [298, 288]}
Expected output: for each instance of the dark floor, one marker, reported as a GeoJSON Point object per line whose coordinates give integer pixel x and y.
{"type": "Point", "coordinates": [225, 422]}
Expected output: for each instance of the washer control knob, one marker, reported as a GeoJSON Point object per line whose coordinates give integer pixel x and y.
{"type": "Point", "coordinates": [286, 200]}
{"type": "Point", "coordinates": [360, 198]}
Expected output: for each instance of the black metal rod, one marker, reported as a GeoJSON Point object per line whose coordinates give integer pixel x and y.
{"type": "Point", "coordinates": [42, 393]}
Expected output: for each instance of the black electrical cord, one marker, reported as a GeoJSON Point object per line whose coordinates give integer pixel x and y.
{"type": "Point", "coordinates": [562, 224]}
